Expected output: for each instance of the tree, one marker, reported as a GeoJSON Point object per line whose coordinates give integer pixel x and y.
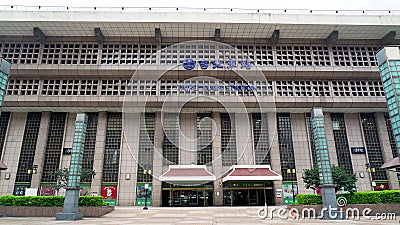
{"type": "Point", "coordinates": [340, 179]}
{"type": "Point", "coordinates": [62, 176]}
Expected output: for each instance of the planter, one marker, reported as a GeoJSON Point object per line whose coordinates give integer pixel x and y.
{"type": "Point", "coordinates": [37, 211]}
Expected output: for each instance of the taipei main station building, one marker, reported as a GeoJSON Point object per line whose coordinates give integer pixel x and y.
{"type": "Point", "coordinates": [194, 107]}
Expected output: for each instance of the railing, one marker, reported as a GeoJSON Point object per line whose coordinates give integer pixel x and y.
{"type": "Point", "coordinates": [190, 9]}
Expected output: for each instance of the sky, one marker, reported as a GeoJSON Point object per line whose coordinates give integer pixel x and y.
{"type": "Point", "coordinates": [243, 4]}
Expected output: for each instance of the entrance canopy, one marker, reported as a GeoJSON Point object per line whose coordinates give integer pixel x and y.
{"type": "Point", "coordinates": [251, 173]}
{"type": "Point", "coordinates": [187, 175]}
{"type": "Point", "coordinates": [393, 163]}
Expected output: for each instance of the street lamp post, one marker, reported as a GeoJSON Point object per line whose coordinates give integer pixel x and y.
{"type": "Point", "coordinates": [369, 167]}
{"type": "Point", "coordinates": [292, 170]}
{"type": "Point", "coordinates": [146, 187]}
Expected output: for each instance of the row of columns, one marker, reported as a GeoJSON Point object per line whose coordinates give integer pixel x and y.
{"type": "Point", "coordinates": [128, 162]}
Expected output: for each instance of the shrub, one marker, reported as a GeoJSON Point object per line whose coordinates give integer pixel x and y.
{"type": "Point", "coordinates": [364, 197]}
{"type": "Point", "coordinates": [11, 200]}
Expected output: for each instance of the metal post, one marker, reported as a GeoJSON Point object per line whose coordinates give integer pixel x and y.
{"type": "Point", "coordinates": [72, 190]}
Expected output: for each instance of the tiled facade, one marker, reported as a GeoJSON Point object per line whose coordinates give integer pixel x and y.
{"type": "Point", "coordinates": [73, 74]}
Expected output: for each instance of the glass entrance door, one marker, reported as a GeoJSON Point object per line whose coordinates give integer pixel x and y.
{"type": "Point", "coordinates": [187, 198]}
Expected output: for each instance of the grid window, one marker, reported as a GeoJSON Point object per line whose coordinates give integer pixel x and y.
{"type": "Point", "coordinates": [171, 138]}
{"type": "Point", "coordinates": [20, 53]}
{"type": "Point", "coordinates": [261, 139]}
{"type": "Point", "coordinates": [311, 140]}
{"type": "Point", "coordinates": [146, 146]}
{"type": "Point", "coordinates": [303, 88]}
{"type": "Point", "coordinates": [228, 139]}
{"type": "Point", "coordinates": [70, 53]}
{"type": "Point", "coordinates": [28, 148]}
{"type": "Point", "coordinates": [54, 146]}
{"type": "Point", "coordinates": [204, 138]}
{"type": "Point", "coordinates": [357, 88]}
{"type": "Point", "coordinates": [112, 147]}
{"type": "Point", "coordinates": [341, 142]}
{"type": "Point", "coordinates": [287, 55]}
{"type": "Point", "coordinates": [285, 143]}
{"type": "Point", "coordinates": [357, 56]}
{"type": "Point", "coordinates": [264, 55]}
{"type": "Point", "coordinates": [392, 140]}
{"type": "Point", "coordinates": [90, 143]}
{"type": "Point", "coordinates": [373, 145]}
{"type": "Point", "coordinates": [4, 118]}
{"type": "Point", "coordinates": [23, 87]}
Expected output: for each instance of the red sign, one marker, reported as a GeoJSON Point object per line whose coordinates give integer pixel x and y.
{"type": "Point", "coordinates": [109, 192]}
{"type": "Point", "coordinates": [381, 187]}
{"type": "Point", "coordinates": [47, 191]}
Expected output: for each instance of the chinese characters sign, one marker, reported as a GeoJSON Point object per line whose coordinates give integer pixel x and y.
{"type": "Point", "coordinates": [190, 64]}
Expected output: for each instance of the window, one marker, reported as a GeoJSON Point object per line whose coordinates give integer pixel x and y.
{"type": "Point", "coordinates": [146, 146]}
{"type": "Point", "coordinates": [373, 145]}
{"type": "Point", "coordinates": [286, 146]}
{"type": "Point", "coordinates": [4, 118]}
{"type": "Point", "coordinates": [228, 139]}
{"type": "Point", "coordinates": [261, 142]}
{"type": "Point", "coordinates": [204, 138]}
{"type": "Point", "coordinates": [90, 143]}
{"type": "Point", "coordinates": [112, 147]}
{"type": "Point", "coordinates": [341, 142]}
{"type": "Point", "coordinates": [171, 138]}
{"type": "Point", "coordinates": [54, 144]}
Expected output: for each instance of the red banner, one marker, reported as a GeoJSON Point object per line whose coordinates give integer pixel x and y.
{"type": "Point", "coordinates": [109, 192]}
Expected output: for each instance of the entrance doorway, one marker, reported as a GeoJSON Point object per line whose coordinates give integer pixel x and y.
{"type": "Point", "coordinates": [248, 194]}
{"type": "Point", "coordinates": [186, 196]}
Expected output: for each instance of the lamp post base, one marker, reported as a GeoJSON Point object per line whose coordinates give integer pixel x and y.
{"type": "Point", "coordinates": [69, 216]}
{"type": "Point", "coordinates": [145, 208]}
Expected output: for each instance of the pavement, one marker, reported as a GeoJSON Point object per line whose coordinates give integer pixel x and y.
{"type": "Point", "coordinates": [188, 216]}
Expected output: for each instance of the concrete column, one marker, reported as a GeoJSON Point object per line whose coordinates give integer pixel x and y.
{"type": "Point", "coordinates": [12, 150]}
{"type": "Point", "coordinates": [301, 149]}
{"type": "Point", "coordinates": [187, 139]}
{"type": "Point", "coordinates": [41, 149]}
{"type": "Point", "coordinates": [330, 139]}
{"type": "Point", "coordinates": [217, 169]}
{"type": "Point", "coordinates": [274, 152]}
{"type": "Point", "coordinates": [129, 154]}
{"type": "Point", "coordinates": [244, 144]}
{"type": "Point", "coordinates": [157, 161]}
{"type": "Point", "coordinates": [386, 149]}
{"type": "Point", "coordinates": [99, 152]}
{"type": "Point", "coordinates": [355, 139]}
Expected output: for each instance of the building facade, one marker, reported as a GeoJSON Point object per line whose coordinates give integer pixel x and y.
{"type": "Point", "coordinates": [193, 108]}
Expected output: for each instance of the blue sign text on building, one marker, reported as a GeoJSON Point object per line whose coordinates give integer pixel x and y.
{"type": "Point", "coordinates": [190, 64]}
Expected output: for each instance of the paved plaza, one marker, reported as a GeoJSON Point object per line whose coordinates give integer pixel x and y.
{"type": "Point", "coordinates": [183, 216]}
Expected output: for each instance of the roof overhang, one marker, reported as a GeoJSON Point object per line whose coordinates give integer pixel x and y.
{"type": "Point", "coordinates": [198, 24]}
{"type": "Point", "coordinates": [251, 173]}
{"type": "Point", "coordinates": [2, 166]}
{"type": "Point", "coordinates": [187, 175]}
{"type": "Point", "coordinates": [393, 163]}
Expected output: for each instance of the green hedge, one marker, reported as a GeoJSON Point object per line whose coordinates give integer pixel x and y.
{"type": "Point", "coordinates": [11, 200]}
{"type": "Point", "coordinates": [365, 197]}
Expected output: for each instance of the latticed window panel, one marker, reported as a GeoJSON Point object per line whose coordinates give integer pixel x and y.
{"type": "Point", "coordinates": [373, 145]}
{"type": "Point", "coordinates": [171, 138]}
{"type": "Point", "coordinates": [146, 146]}
{"type": "Point", "coordinates": [4, 120]}
{"type": "Point", "coordinates": [204, 138]}
{"type": "Point", "coordinates": [54, 144]}
{"type": "Point", "coordinates": [341, 142]}
{"type": "Point", "coordinates": [112, 147]}
{"type": "Point", "coordinates": [228, 139]}
{"type": "Point", "coordinates": [90, 143]}
{"type": "Point", "coordinates": [20, 53]}
{"type": "Point", "coordinates": [285, 142]}
{"type": "Point", "coordinates": [28, 147]}
{"type": "Point", "coordinates": [355, 56]}
{"type": "Point", "coordinates": [261, 139]}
